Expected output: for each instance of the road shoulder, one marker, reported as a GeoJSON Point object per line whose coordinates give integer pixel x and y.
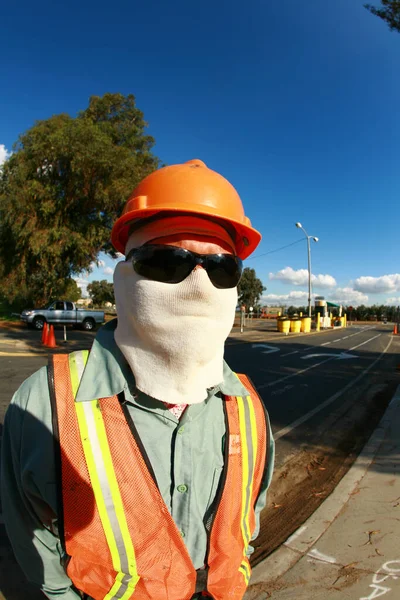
{"type": "Point", "coordinates": [356, 528]}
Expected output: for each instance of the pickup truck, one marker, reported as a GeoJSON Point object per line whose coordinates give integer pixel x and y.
{"type": "Point", "coordinates": [64, 313]}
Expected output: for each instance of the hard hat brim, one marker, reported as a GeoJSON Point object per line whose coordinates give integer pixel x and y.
{"type": "Point", "coordinates": [246, 238]}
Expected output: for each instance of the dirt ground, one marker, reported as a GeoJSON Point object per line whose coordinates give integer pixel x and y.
{"type": "Point", "coordinates": [303, 483]}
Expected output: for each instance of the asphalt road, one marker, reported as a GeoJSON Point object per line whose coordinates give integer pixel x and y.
{"type": "Point", "coordinates": [303, 379]}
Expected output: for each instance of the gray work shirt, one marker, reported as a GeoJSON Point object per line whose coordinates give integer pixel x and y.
{"type": "Point", "coordinates": [186, 456]}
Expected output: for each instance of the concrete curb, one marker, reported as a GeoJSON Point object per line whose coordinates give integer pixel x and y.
{"type": "Point", "coordinates": [302, 540]}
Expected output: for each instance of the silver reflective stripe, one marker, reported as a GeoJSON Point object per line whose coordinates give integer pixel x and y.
{"type": "Point", "coordinates": [250, 449]}
{"type": "Point", "coordinates": [124, 586]}
{"type": "Point", "coordinates": [104, 483]}
{"type": "Point", "coordinates": [105, 488]}
{"type": "Point", "coordinates": [80, 365]}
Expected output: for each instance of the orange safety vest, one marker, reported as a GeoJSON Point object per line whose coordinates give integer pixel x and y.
{"type": "Point", "coordinates": [118, 534]}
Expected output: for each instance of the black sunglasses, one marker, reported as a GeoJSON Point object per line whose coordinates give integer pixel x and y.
{"type": "Point", "coordinates": [170, 264]}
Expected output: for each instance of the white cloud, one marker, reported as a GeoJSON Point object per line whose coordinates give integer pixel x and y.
{"type": "Point", "coordinates": [101, 263]}
{"type": "Point", "coordinates": [378, 285]}
{"type": "Point", "coordinates": [4, 154]}
{"type": "Point", "coordinates": [394, 300]}
{"type": "Point", "coordinates": [323, 281]}
{"type": "Point", "coordinates": [293, 297]}
{"type": "Point", "coordinates": [300, 277]}
{"type": "Point", "coordinates": [108, 271]}
{"type": "Point", "coordinates": [348, 295]}
{"type": "Point", "coordinates": [344, 295]}
{"type": "Point", "coordinates": [82, 283]}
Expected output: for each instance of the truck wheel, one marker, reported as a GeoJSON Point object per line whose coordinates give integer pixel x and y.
{"type": "Point", "coordinates": [88, 325]}
{"type": "Point", "coordinates": [38, 323]}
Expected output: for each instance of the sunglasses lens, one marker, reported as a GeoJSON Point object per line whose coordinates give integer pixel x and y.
{"type": "Point", "coordinates": [224, 270]}
{"type": "Point", "coordinates": [166, 264]}
{"type": "Point", "coordinates": [169, 264]}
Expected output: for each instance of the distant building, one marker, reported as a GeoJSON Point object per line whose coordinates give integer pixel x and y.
{"type": "Point", "coordinates": [271, 312]}
{"type": "Point", "coordinates": [84, 302]}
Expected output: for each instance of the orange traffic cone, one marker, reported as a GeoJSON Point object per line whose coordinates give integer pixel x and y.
{"type": "Point", "coordinates": [44, 333]}
{"type": "Point", "coordinates": [51, 339]}
{"type": "Point", "coordinates": [395, 329]}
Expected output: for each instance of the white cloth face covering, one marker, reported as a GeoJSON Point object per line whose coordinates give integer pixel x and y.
{"type": "Point", "coordinates": [173, 335]}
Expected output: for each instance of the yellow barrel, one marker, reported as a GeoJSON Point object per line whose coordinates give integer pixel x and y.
{"type": "Point", "coordinates": [295, 325]}
{"type": "Point", "coordinates": [342, 322]}
{"type": "Point", "coordinates": [306, 325]}
{"type": "Point", "coordinates": [285, 326]}
{"type": "Point", "coordinates": [280, 322]}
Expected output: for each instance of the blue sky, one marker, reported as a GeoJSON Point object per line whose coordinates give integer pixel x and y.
{"type": "Point", "coordinates": [295, 103]}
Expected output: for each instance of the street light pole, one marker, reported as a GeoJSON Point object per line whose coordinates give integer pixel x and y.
{"type": "Point", "coordinates": [309, 276]}
{"type": "Point", "coordinates": [309, 237]}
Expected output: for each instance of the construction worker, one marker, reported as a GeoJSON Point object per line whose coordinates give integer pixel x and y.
{"type": "Point", "coordinates": [139, 470]}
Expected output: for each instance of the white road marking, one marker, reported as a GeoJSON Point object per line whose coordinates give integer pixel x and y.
{"type": "Point", "coordinates": [282, 390]}
{"type": "Point", "coordinates": [329, 401]}
{"type": "Point", "coordinates": [272, 383]}
{"type": "Point", "coordinates": [340, 356]}
{"type": "Point", "coordinates": [269, 349]}
{"type": "Point", "coordinates": [316, 554]}
{"type": "Point", "coordinates": [366, 342]}
{"type": "Point", "coordinates": [296, 534]}
{"type": "Point", "coordinates": [290, 353]}
{"type": "Point", "coordinates": [347, 336]}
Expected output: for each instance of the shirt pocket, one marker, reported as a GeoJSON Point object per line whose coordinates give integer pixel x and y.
{"type": "Point", "coordinates": [214, 486]}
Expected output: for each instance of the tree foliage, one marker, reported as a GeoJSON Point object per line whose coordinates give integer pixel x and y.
{"type": "Point", "coordinates": [389, 12]}
{"type": "Point", "coordinates": [71, 291]}
{"type": "Point", "coordinates": [374, 312]}
{"type": "Point", "coordinates": [250, 288]}
{"type": "Point", "coordinates": [101, 292]}
{"type": "Point", "coordinates": [292, 310]}
{"type": "Point", "coordinates": [62, 189]}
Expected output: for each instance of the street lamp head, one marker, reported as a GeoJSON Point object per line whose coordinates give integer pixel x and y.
{"type": "Point", "coordinates": [315, 239]}
{"type": "Point", "coordinates": [298, 225]}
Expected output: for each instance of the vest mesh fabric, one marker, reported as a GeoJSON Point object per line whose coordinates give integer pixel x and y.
{"type": "Point", "coordinates": [163, 562]}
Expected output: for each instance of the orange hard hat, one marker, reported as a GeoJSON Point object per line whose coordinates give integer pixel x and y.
{"type": "Point", "coordinates": [192, 189]}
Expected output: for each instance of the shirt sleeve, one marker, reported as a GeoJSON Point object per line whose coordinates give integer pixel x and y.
{"type": "Point", "coordinates": [28, 489]}
{"type": "Point", "coordinates": [262, 499]}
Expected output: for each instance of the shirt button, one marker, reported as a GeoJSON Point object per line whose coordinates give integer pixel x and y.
{"type": "Point", "coordinates": [181, 430]}
{"type": "Point", "coordinates": [182, 488]}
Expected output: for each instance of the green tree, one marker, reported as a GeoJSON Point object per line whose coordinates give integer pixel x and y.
{"type": "Point", "coordinates": [71, 291]}
{"type": "Point", "coordinates": [61, 190]}
{"type": "Point", "coordinates": [389, 12]}
{"type": "Point", "coordinates": [101, 292]}
{"type": "Point", "coordinates": [250, 288]}
{"type": "Point", "coordinates": [362, 312]}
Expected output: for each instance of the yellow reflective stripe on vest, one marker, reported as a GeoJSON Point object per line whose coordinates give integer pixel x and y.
{"type": "Point", "coordinates": [246, 570]}
{"type": "Point", "coordinates": [105, 486]}
{"type": "Point", "coordinates": [249, 447]}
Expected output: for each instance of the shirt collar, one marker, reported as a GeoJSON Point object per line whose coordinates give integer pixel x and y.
{"type": "Point", "coordinates": [107, 372]}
